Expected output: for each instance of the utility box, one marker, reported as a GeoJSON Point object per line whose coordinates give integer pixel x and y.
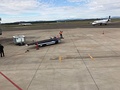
{"type": "Point", "coordinates": [19, 40]}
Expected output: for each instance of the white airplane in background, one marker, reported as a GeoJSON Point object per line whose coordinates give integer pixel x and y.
{"type": "Point", "coordinates": [101, 22]}
{"type": "Point", "coordinates": [25, 24]}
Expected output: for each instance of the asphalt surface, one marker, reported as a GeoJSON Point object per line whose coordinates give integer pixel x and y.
{"type": "Point", "coordinates": [86, 59]}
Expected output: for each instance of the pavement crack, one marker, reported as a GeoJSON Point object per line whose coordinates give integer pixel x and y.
{"type": "Point", "coordinates": [37, 69]}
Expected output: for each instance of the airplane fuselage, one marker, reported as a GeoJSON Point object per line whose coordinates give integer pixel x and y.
{"type": "Point", "coordinates": [100, 22]}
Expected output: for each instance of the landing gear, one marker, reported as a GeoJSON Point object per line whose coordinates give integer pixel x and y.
{"type": "Point", "coordinates": [100, 24]}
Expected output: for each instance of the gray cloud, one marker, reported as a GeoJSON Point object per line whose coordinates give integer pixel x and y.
{"type": "Point", "coordinates": [78, 0]}
{"type": "Point", "coordinates": [19, 6]}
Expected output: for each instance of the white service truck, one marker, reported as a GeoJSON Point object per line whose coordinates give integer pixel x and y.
{"type": "Point", "coordinates": [19, 40]}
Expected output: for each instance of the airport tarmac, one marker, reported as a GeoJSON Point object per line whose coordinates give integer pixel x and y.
{"type": "Point", "coordinates": [86, 59]}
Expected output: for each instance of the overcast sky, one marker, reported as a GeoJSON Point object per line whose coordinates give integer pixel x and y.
{"type": "Point", "coordinates": [32, 10]}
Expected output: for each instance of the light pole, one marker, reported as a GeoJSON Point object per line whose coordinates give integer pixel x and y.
{"type": "Point", "coordinates": [0, 27]}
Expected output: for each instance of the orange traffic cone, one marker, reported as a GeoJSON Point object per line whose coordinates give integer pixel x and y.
{"type": "Point", "coordinates": [103, 32]}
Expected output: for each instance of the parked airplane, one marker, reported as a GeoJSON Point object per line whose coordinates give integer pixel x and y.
{"type": "Point", "coordinates": [25, 24]}
{"type": "Point", "coordinates": [101, 22]}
